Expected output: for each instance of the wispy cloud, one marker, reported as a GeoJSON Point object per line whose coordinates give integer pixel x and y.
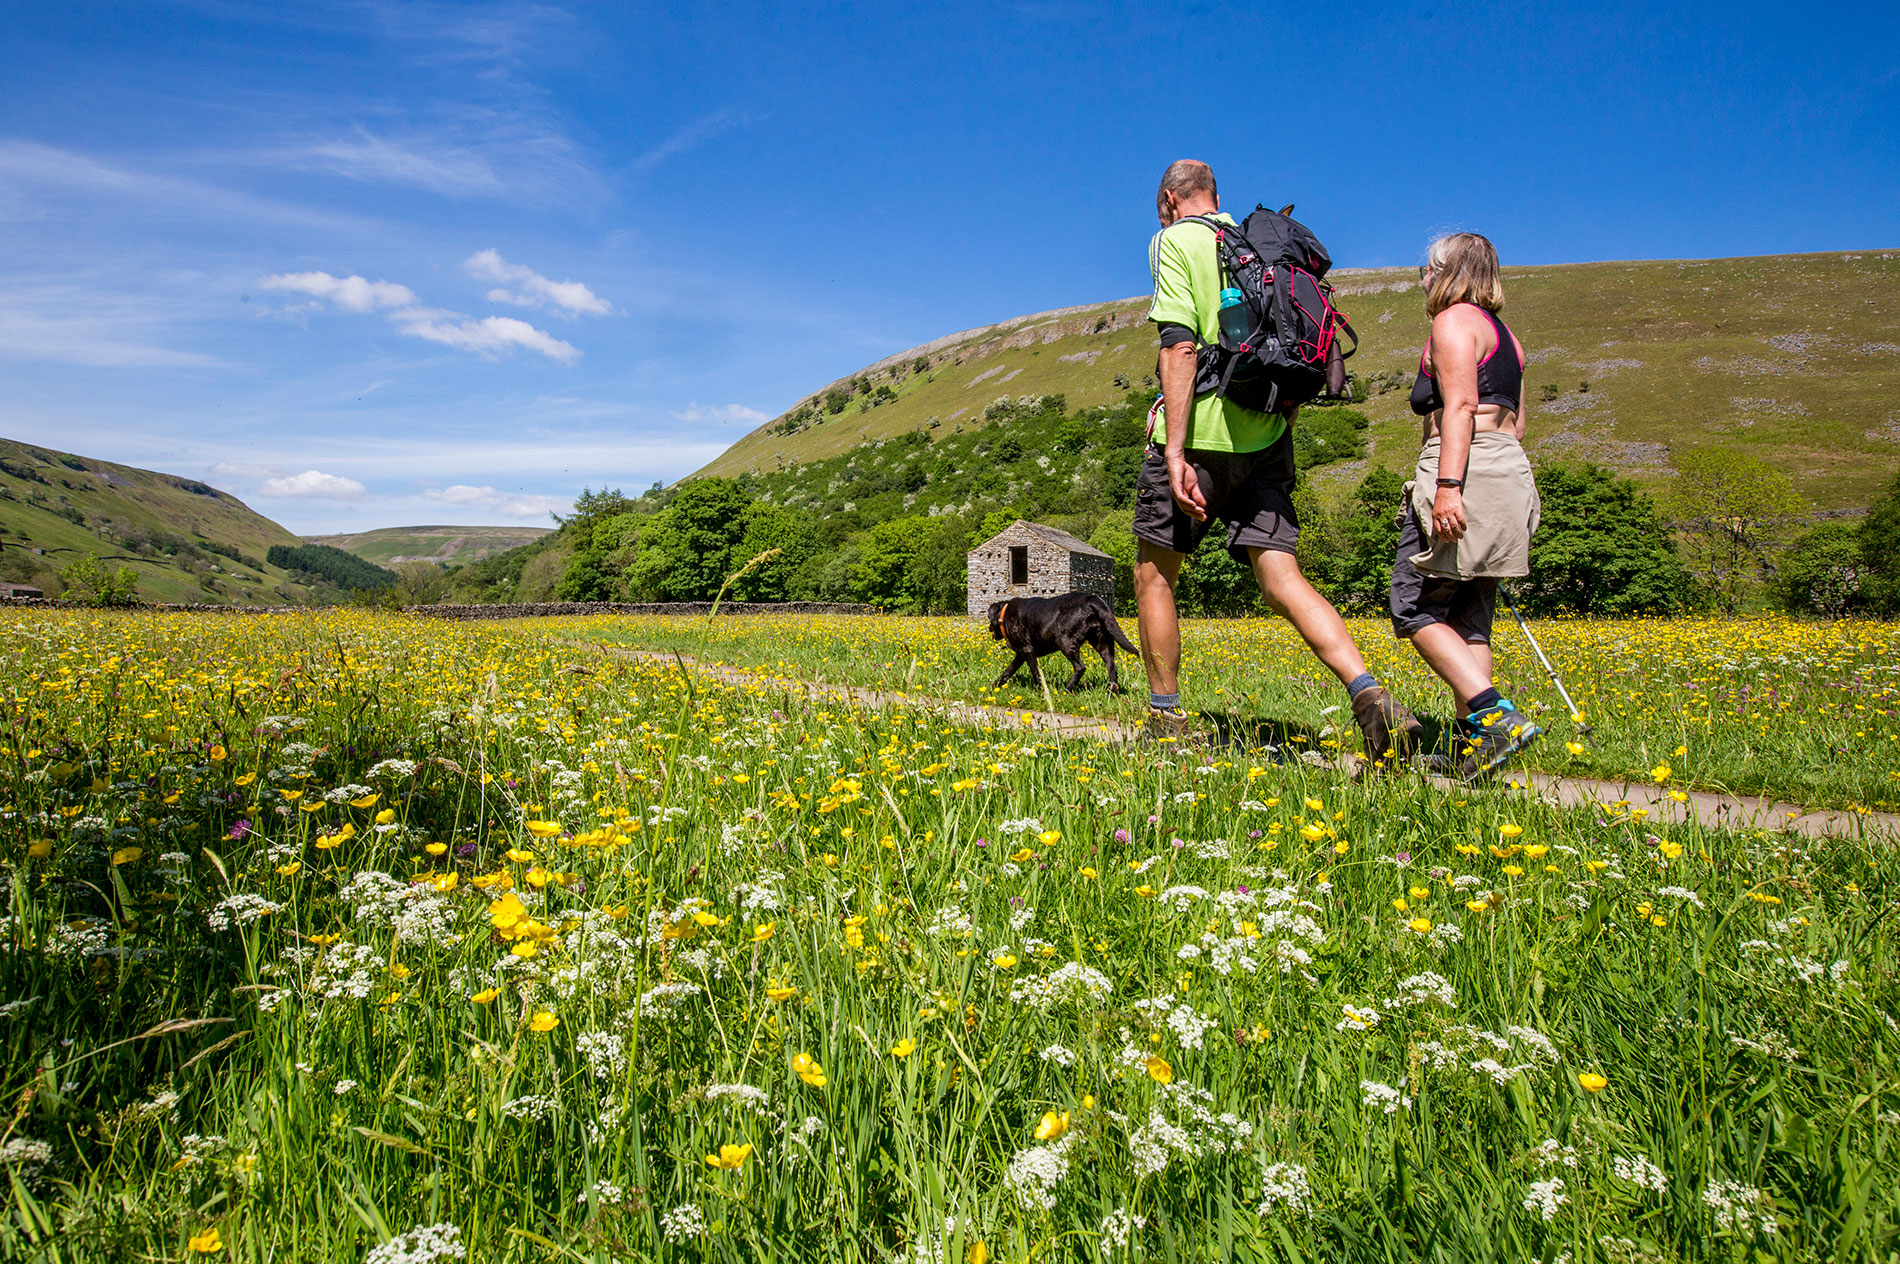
{"type": "Point", "coordinates": [696, 411]}
{"type": "Point", "coordinates": [312, 485]}
{"type": "Point", "coordinates": [571, 298]}
{"type": "Point", "coordinates": [375, 159]}
{"type": "Point", "coordinates": [489, 336]}
{"type": "Point", "coordinates": [68, 324]}
{"type": "Point", "coordinates": [29, 172]}
{"type": "Point", "coordinates": [507, 504]}
{"type": "Point", "coordinates": [244, 469]}
{"type": "Point", "coordinates": [508, 153]}
{"type": "Point", "coordinates": [694, 134]}
{"type": "Point", "coordinates": [351, 293]}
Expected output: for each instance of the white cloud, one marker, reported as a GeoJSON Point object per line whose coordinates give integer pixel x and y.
{"type": "Point", "coordinates": [351, 293]}
{"type": "Point", "coordinates": [532, 289]}
{"type": "Point", "coordinates": [313, 485]}
{"type": "Point", "coordinates": [510, 505]}
{"type": "Point", "coordinates": [490, 336]}
{"type": "Point", "coordinates": [696, 411]}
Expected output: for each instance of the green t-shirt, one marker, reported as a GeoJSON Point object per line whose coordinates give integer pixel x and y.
{"type": "Point", "coordinates": [1187, 278]}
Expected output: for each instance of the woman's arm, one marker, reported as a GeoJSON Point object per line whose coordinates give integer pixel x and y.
{"type": "Point", "coordinates": [1456, 350]}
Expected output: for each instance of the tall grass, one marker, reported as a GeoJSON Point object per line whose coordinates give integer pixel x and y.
{"type": "Point", "coordinates": [214, 1021]}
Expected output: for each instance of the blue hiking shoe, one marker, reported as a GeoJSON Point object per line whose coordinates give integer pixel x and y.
{"type": "Point", "coordinates": [1487, 739]}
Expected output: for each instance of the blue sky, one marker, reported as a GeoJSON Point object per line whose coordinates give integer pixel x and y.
{"type": "Point", "coordinates": [369, 263]}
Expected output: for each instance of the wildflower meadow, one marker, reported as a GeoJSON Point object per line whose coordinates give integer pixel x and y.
{"type": "Point", "coordinates": [362, 938]}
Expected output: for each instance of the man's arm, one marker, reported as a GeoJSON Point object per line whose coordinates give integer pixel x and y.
{"type": "Point", "coordinates": [1177, 403]}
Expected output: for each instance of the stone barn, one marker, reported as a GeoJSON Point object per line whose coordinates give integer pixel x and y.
{"type": "Point", "coordinates": [1027, 559]}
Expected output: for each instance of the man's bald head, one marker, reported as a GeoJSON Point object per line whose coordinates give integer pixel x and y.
{"type": "Point", "coordinates": [1183, 181]}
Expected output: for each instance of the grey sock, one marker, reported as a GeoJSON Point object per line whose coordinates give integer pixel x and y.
{"type": "Point", "coordinates": [1360, 683]}
{"type": "Point", "coordinates": [1164, 701]}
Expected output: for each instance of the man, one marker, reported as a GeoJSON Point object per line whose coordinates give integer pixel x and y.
{"type": "Point", "coordinates": [1220, 460]}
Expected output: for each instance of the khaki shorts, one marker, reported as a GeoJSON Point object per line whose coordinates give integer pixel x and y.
{"type": "Point", "coordinates": [1467, 606]}
{"type": "Point", "coordinates": [1252, 492]}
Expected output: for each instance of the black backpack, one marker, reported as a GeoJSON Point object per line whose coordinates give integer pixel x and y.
{"type": "Point", "coordinates": [1294, 352]}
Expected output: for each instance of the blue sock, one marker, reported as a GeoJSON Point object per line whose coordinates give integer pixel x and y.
{"type": "Point", "coordinates": [1164, 701]}
{"type": "Point", "coordinates": [1359, 684]}
{"type": "Point", "coordinates": [1481, 702]}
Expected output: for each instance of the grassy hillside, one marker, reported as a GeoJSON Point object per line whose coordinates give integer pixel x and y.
{"type": "Point", "coordinates": [454, 545]}
{"type": "Point", "coordinates": [186, 541]}
{"type": "Point", "coordinates": [1794, 357]}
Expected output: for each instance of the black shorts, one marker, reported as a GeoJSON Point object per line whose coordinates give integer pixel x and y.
{"type": "Point", "coordinates": [1252, 492]}
{"type": "Point", "coordinates": [1419, 600]}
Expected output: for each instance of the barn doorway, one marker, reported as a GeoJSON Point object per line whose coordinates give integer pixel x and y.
{"type": "Point", "coordinates": [1019, 564]}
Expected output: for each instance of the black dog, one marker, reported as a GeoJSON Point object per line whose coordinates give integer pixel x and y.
{"type": "Point", "coordinates": [1034, 626]}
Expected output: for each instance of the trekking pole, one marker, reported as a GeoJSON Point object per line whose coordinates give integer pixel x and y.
{"type": "Point", "coordinates": [1575, 715]}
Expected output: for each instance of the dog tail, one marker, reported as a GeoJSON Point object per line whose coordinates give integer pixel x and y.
{"type": "Point", "coordinates": [1115, 630]}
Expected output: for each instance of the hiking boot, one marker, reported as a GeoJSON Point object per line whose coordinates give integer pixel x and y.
{"type": "Point", "coordinates": [1389, 729]}
{"type": "Point", "coordinates": [1169, 725]}
{"type": "Point", "coordinates": [1490, 737]}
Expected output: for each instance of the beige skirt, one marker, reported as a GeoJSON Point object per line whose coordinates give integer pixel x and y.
{"type": "Point", "coordinates": [1501, 511]}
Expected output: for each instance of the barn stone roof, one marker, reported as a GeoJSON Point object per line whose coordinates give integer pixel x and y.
{"type": "Point", "coordinates": [1048, 535]}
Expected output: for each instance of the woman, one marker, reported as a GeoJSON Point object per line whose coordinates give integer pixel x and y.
{"type": "Point", "coordinates": [1469, 514]}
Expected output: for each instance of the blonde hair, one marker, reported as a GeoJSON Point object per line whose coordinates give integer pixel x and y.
{"type": "Point", "coordinates": [1184, 177]}
{"type": "Point", "coordinates": [1465, 270]}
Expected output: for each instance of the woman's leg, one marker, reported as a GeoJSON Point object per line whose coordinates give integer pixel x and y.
{"type": "Point", "coordinates": [1481, 655]}
{"type": "Point", "coordinates": [1455, 660]}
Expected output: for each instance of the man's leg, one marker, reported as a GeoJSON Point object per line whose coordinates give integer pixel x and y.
{"type": "Point", "coordinates": [1389, 729]}
{"type": "Point", "coordinates": [1156, 570]}
{"type": "Point", "coordinates": [1289, 594]}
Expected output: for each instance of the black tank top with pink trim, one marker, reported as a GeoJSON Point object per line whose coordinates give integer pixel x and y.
{"type": "Point", "coordinates": [1500, 377]}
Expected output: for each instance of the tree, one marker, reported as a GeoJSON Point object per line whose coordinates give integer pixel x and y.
{"type": "Point", "coordinates": [1602, 548]}
{"type": "Point", "coordinates": [1367, 530]}
{"type": "Point", "coordinates": [1213, 583]}
{"type": "Point", "coordinates": [90, 580]}
{"type": "Point", "coordinates": [763, 527]}
{"type": "Point", "coordinates": [422, 583]}
{"type": "Point", "coordinates": [1822, 572]}
{"type": "Point", "coordinates": [883, 575]}
{"type": "Point", "coordinates": [1728, 505]}
{"type": "Point", "coordinates": [1115, 536]}
{"type": "Point", "coordinates": [686, 551]}
{"type": "Point", "coordinates": [939, 571]}
{"type": "Point", "coordinates": [1880, 550]}
{"type": "Point", "coordinates": [594, 568]}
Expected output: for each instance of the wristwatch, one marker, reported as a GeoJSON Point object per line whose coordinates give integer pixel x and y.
{"type": "Point", "coordinates": [1451, 482]}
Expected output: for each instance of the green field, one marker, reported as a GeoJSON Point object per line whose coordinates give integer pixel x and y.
{"type": "Point", "coordinates": [350, 938]}
{"type": "Point", "coordinates": [454, 546]}
{"type": "Point", "coordinates": [1794, 358]}
{"type": "Point", "coordinates": [187, 541]}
